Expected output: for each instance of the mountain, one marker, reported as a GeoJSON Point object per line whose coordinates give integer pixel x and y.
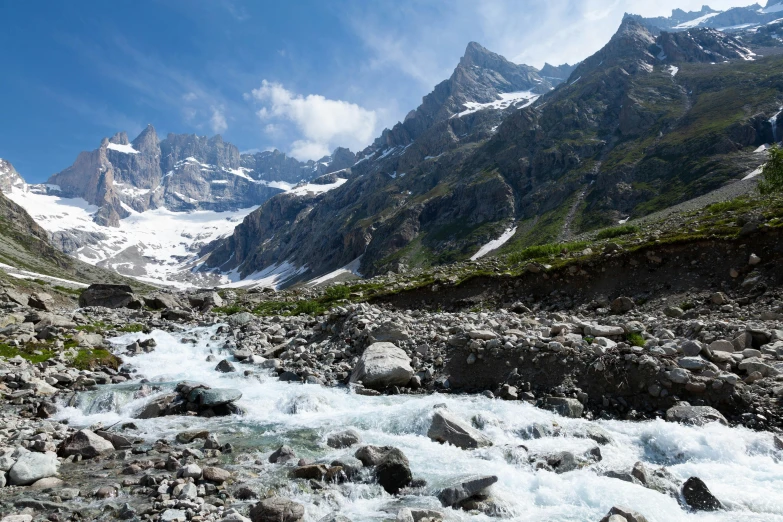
{"type": "Point", "coordinates": [652, 119]}
{"type": "Point", "coordinates": [25, 249]}
{"type": "Point", "coordinates": [732, 20]}
{"type": "Point", "coordinates": [145, 208]}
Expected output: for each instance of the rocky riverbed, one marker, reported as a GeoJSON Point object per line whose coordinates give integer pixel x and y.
{"type": "Point", "coordinates": [159, 408]}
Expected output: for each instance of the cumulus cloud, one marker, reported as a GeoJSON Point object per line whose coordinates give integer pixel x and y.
{"type": "Point", "coordinates": [218, 120]}
{"type": "Point", "coordinates": [321, 124]}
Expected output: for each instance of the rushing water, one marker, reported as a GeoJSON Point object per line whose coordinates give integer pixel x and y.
{"type": "Point", "coordinates": [741, 467]}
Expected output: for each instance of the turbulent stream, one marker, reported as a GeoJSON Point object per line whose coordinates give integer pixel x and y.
{"type": "Point", "coordinates": [741, 467]}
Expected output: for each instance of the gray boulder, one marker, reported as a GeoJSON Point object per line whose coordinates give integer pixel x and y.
{"type": "Point", "coordinates": [620, 513]}
{"type": "Point", "coordinates": [277, 509]}
{"type": "Point", "coordinates": [282, 455]}
{"type": "Point", "coordinates": [31, 467]}
{"type": "Point", "coordinates": [109, 296]}
{"type": "Point", "coordinates": [393, 471]}
{"type": "Point", "coordinates": [452, 496]}
{"type": "Point", "coordinates": [214, 396]}
{"type": "Point", "coordinates": [565, 406]}
{"type": "Point", "coordinates": [343, 439]}
{"type": "Point", "coordinates": [446, 427]}
{"type": "Point", "coordinates": [86, 444]}
{"type": "Point", "coordinates": [694, 415]}
{"type": "Point", "coordinates": [698, 496]}
{"type": "Point", "coordinates": [381, 366]}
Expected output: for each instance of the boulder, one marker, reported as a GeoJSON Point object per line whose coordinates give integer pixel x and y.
{"type": "Point", "coordinates": [393, 471]}
{"type": "Point", "coordinates": [622, 305]}
{"type": "Point", "coordinates": [343, 439]}
{"type": "Point", "coordinates": [109, 296]}
{"type": "Point", "coordinates": [618, 513]}
{"type": "Point", "coordinates": [282, 455]}
{"type": "Point", "coordinates": [277, 509]}
{"type": "Point", "coordinates": [565, 406]}
{"type": "Point", "coordinates": [454, 495]}
{"type": "Point", "coordinates": [381, 366]}
{"type": "Point", "coordinates": [86, 444]}
{"type": "Point", "coordinates": [31, 467]}
{"type": "Point", "coordinates": [161, 301]}
{"type": "Point", "coordinates": [446, 427]}
{"type": "Point", "coordinates": [157, 407]}
{"type": "Point", "coordinates": [225, 366]}
{"type": "Point", "coordinates": [698, 496]}
{"type": "Point", "coordinates": [216, 475]}
{"type": "Point", "coordinates": [694, 415]}
{"type": "Point", "coordinates": [208, 398]}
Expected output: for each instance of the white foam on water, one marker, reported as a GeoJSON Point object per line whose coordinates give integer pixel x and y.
{"type": "Point", "coordinates": [739, 466]}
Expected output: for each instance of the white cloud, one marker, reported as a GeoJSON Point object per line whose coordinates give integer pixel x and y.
{"type": "Point", "coordinates": [218, 120]}
{"type": "Point", "coordinates": [321, 124]}
{"type": "Point", "coordinates": [189, 96]}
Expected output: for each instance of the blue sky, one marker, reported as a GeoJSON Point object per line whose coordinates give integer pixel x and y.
{"type": "Point", "coordinates": [302, 76]}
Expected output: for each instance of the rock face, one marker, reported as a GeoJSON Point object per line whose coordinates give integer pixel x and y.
{"type": "Point", "coordinates": [31, 467]}
{"type": "Point", "coordinates": [109, 296]}
{"type": "Point", "coordinates": [86, 444]}
{"type": "Point", "coordinates": [381, 366]}
{"type": "Point", "coordinates": [277, 509]}
{"type": "Point", "coordinates": [447, 428]}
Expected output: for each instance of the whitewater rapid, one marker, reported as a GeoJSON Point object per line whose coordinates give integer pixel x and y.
{"type": "Point", "coordinates": [741, 467]}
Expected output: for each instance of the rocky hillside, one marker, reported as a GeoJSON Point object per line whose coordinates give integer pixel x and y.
{"type": "Point", "coordinates": [736, 19]}
{"type": "Point", "coordinates": [649, 121]}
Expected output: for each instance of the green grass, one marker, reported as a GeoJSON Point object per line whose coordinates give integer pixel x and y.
{"type": "Point", "coordinates": [623, 230]}
{"type": "Point", "coordinates": [544, 251]}
{"type": "Point", "coordinates": [33, 353]}
{"type": "Point", "coordinates": [66, 290]}
{"type": "Point", "coordinates": [89, 359]}
{"type": "Point", "coordinates": [337, 292]}
{"type": "Point", "coordinates": [742, 203]}
{"type": "Point", "coordinates": [97, 326]}
{"type": "Point", "coordinates": [228, 310]}
{"type": "Point", "coordinates": [131, 328]}
{"type": "Point", "coordinates": [635, 339]}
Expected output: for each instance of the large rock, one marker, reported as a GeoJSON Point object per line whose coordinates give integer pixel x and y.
{"type": "Point", "coordinates": [109, 296]}
{"type": "Point", "coordinates": [565, 406]}
{"type": "Point", "coordinates": [31, 467]}
{"type": "Point", "coordinates": [694, 415]}
{"type": "Point", "coordinates": [698, 496]}
{"type": "Point", "coordinates": [86, 444]}
{"type": "Point", "coordinates": [381, 366]}
{"type": "Point", "coordinates": [157, 407]}
{"type": "Point", "coordinates": [393, 471]}
{"type": "Point", "coordinates": [452, 496]}
{"type": "Point", "coordinates": [343, 439]}
{"type": "Point", "coordinates": [214, 396]}
{"type": "Point", "coordinates": [446, 427]}
{"type": "Point", "coordinates": [277, 509]}
{"type": "Point", "coordinates": [623, 513]}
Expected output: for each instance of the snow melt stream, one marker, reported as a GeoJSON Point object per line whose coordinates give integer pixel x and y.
{"type": "Point", "coordinates": [739, 466]}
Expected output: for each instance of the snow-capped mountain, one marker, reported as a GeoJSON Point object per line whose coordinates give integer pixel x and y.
{"type": "Point", "coordinates": [145, 208]}
{"type": "Point", "coordinates": [731, 20]}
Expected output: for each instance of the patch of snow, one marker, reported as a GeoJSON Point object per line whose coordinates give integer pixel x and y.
{"type": "Point", "coordinates": [623, 221]}
{"type": "Point", "coordinates": [350, 268]}
{"type": "Point", "coordinates": [754, 173]}
{"type": "Point", "coordinates": [26, 274]}
{"type": "Point", "coordinates": [219, 182]}
{"type": "Point", "coordinates": [673, 70]}
{"type": "Point", "coordinates": [695, 22]}
{"type": "Point", "coordinates": [125, 149]}
{"type": "Point", "coordinates": [312, 188]}
{"type": "Point", "coordinates": [273, 276]}
{"type": "Point", "coordinates": [573, 82]}
{"type": "Point", "coordinates": [507, 99]}
{"type": "Point", "coordinates": [494, 244]}
{"type": "Point", "coordinates": [772, 8]}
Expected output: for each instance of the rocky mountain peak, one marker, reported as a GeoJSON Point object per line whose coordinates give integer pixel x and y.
{"type": "Point", "coordinates": [9, 177]}
{"type": "Point", "coordinates": [147, 140]}
{"type": "Point", "coordinates": [121, 138]}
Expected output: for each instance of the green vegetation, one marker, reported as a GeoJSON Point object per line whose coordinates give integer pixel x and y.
{"type": "Point", "coordinates": [623, 230]}
{"type": "Point", "coordinates": [67, 290]}
{"type": "Point", "coordinates": [634, 339]}
{"type": "Point", "coordinates": [34, 353]}
{"type": "Point", "coordinates": [741, 203]}
{"type": "Point", "coordinates": [89, 359]}
{"type": "Point", "coordinates": [771, 181]}
{"type": "Point", "coordinates": [228, 310]}
{"type": "Point", "coordinates": [544, 251]}
{"type": "Point", "coordinates": [97, 326]}
{"type": "Point", "coordinates": [131, 328]}
{"type": "Point", "coordinates": [336, 292]}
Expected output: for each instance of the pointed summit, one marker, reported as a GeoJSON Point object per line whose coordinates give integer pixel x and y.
{"type": "Point", "coordinates": [147, 140]}
{"type": "Point", "coordinates": [121, 138]}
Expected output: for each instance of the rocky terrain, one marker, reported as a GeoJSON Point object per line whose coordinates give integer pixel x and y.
{"type": "Point", "coordinates": [583, 348]}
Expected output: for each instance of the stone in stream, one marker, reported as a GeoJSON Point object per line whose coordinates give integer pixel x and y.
{"type": "Point", "coordinates": [334, 517]}
{"type": "Point", "coordinates": [17, 518]}
{"type": "Point", "coordinates": [393, 471]}
{"type": "Point", "coordinates": [446, 427]}
{"type": "Point", "coordinates": [343, 439]}
{"type": "Point", "coordinates": [623, 514]}
{"type": "Point", "coordinates": [277, 509]}
{"type": "Point", "coordinates": [694, 415]}
{"type": "Point", "coordinates": [157, 407]}
{"type": "Point", "coordinates": [86, 444]}
{"type": "Point", "coordinates": [209, 398]}
{"type": "Point", "coordinates": [453, 496]}
{"type": "Point", "coordinates": [698, 496]}
{"type": "Point", "coordinates": [282, 455]}
{"type": "Point", "coordinates": [381, 366]}
{"type": "Point", "coordinates": [190, 471]}
{"type": "Point", "coordinates": [31, 467]}
{"type": "Point", "coordinates": [225, 366]}
{"type": "Point", "coordinates": [565, 406]}
{"type": "Point", "coordinates": [216, 475]}
{"type": "Point", "coordinates": [109, 296]}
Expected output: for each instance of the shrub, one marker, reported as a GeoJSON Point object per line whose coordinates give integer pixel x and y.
{"type": "Point", "coordinates": [635, 339]}
{"type": "Point", "coordinates": [622, 230]}
{"type": "Point", "coordinates": [772, 173]}
{"type": "Point", "coordinates": [337, 292]}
